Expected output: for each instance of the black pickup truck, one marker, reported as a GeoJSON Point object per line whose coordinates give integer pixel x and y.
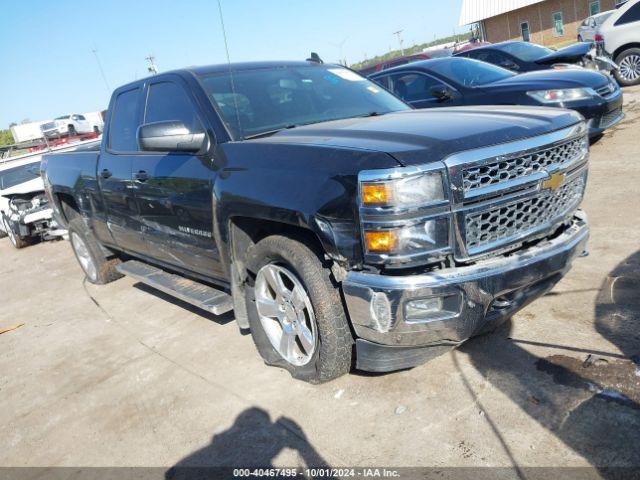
{"type": "Point", "coordinates": [344, 228]}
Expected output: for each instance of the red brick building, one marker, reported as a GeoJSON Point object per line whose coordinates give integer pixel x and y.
{"type": "Point", "coordinates": [547, 22]}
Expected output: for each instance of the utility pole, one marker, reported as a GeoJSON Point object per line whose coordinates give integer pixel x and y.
{"type": "Point", "coordinates": [399, 41]}
{"type": "Point", "coordinates": [153, 69]}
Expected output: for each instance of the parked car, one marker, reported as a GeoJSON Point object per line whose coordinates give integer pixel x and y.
{"type": "Point", "coordinates": [619, 36]}
{"type": "Point", "coordinates": [394, 62]}
{"type": "Point", "coordinates": [462, 81]}
{"type": "Point", "coordinates": [587, 29]}
{"type": "Point", "coordinates": [25, 213]}
{"type": "Point", "coordinates": [69, 125]}
{"type": "Point", "coordinates": [338, 223]}
{"type": "Point", "coordinates": [522, 57]}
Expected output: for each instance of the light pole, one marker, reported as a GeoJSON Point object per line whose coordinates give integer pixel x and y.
{"type": "Point", "coordinates": [153, 69]}
{"type": "Point", "coordinates": [399, 41]}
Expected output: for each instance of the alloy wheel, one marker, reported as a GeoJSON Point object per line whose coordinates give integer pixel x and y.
{"type": "Point", "coordinates": [84, 257]}
{"type": "Point", "coordinates": [286, 314]}
{"type": "Point", "coordinates": [10, 233]}
{"type": "Point", "coordinates": [629, 67]}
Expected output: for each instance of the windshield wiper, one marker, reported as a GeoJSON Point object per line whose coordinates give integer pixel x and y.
{"type": "Point", "coordinates": [270, 132]}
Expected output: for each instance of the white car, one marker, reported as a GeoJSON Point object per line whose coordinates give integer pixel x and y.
{"type": "Point", "coordinates": [619, 34]}
{"type": "Point", "coordinates": [25, 213]}
{"type": "Point", "coordinates": [587, 29]}
{"type": "Point", "coordinates": [69, 125]}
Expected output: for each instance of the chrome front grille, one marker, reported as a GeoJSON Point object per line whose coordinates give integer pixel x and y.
{"type": "Point", "coordinates": [510, 193]}
{"type": "Point", "coordinates": [522, 216]}
{"type": "Point", "coordinates": [607, 90]}
{"type": "Point", "coordinates": [509, 169]}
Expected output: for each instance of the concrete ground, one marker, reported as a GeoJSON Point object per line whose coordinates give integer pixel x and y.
{"type": "Point", "coordinates": [120, 375]}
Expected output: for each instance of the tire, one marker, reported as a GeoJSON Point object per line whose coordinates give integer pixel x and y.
{"type": "Point", "coordinates": [580, 38]}
{"type": "Point", "coordinates": [16, 240]}
{"type": "Point", "coordinates": [97, 267]}
{"type": "Point", "coordinates": [72, 131]}
{"type": "Point", "coordinates": [628, 71]}
{"type": "Point", "coordinates": [96, 130]}
{"type": "Point", "coordinates": [325, 354]}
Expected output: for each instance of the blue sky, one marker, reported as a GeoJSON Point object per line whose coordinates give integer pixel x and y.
{"type": "Point", "coordinates": [48, 68]}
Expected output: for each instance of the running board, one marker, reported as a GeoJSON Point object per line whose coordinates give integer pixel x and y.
{"type": "Point", "coordinates": [197, 294]}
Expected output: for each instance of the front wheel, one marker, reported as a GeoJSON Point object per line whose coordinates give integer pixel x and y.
{"type": "Point", "coordinates": [16, 240]}
{"type": "Point", "coordinates": [628, 71]}
{"type": "Point", "coordinates": [97, 267]}
{"type": "Point", "coordinates": [295, 311]}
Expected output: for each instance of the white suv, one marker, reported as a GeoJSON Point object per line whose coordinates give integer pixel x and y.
{"type": "Point", "coordinates": [70, 125]}
{"type": "Point", "coordinates": [620, 36]}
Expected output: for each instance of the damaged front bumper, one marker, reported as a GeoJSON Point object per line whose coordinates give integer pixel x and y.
{"type": "Point", "coordinates": [403, 321]}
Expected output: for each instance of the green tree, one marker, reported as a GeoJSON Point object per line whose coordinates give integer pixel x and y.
{"type": "Point", "coordinates": [6, 138]}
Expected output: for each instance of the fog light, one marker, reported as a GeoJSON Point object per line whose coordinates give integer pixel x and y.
{"type": "Point", "coordinates": [430, 309]}
{"type": "Point", "coordinates": [380, 312]}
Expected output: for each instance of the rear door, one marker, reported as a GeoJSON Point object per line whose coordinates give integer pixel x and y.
{"type": "Point", "coordinates": [174, 190]}
{"type": "Point", "coordinates": [115, 170]}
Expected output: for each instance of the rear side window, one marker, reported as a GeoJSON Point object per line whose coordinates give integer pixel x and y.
{"type": "Point", "coordinates": [631, 15]}
{"type": "Point", "coordinates": [412, 87]}
{"type": "Point", "coordinates": [168, 101]}
{"type": "Point", "coordinates": [124, 122]}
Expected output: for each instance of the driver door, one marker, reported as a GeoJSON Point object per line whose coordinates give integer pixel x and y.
{"type": "Point", "coordinates": [174, 190]}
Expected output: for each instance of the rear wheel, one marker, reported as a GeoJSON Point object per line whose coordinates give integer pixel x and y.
{"type": "Point", "coordinates": [628, 71]}
{"type": "Point", "coordinates": [295, 311]}
{"type": "Point", "coordinates": [16, 240]}
{"type": "Point", "coordinates": [96, 130]}
{"type": "Point", "coordinates": [97, 267]}
{"type": "Point", "coordinates": [72, 131]}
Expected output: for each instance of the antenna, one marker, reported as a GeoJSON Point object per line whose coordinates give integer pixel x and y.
{"type": "Point", "coordinates": [233, 86]}
{"type": "Point", "coordinates": [399, 41]}
{"type": "Point", "coordinates": [153, 69]}
{"type": "Point", "coordinates": [104, 77]}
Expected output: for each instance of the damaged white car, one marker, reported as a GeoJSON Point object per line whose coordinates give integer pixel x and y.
{"type": "Point", "coordinates": [25, 213]}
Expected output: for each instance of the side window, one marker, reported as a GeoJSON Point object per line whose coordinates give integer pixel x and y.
{"type": "Point", "coordinates": [413, 86]}
{"type": "Point", "coordinates": [80, 117]}
{"type": "Point", "coordinates": [383, 81]}
{"type": "Point", "coordinates": [168, 101]}
{"type": "Point", "coordinates": [124, 122]}
{"type": "Point", "coordinates": [631, 15]}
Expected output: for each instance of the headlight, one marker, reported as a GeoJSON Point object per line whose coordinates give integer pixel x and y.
{"type": "Point", "coordinates": [564, 95]}
{"type": "Point", "coordinates": [419, 238]}
{"type": "Point", "coordinates": [420, 189]}
{"type": "Point", "coordinates": [404, 214]}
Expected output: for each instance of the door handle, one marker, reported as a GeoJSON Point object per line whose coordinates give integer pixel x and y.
{"type": "Point", "coordinates": [141, 176]}
{"type": "Point", "coordinates": [106, 173]}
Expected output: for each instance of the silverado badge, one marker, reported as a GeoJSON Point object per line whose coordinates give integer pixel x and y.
{"type": "Point", "coordinates": [554, 181]}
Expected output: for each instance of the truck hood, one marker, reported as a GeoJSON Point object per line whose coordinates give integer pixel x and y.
{"type": "Point", "coordinates": [34, 185]}
{"type": "Point", "coordinates": [419, 136]}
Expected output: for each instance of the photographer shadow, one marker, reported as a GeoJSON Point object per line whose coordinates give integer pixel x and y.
{"type": "Point", "coordinates": [253, 441]}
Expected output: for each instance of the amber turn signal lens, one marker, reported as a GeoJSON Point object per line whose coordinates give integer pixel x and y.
{"type": "Point", "coordinates": [376, 193]}
{"type": "Point", "coordinates": [381, 241]}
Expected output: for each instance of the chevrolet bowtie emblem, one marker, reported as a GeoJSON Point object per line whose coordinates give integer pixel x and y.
{"type": "Point", "coordinates": [554, 181]}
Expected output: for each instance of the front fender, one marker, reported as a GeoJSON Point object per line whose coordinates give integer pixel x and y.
{"type": "Point", "coordinates": [309, 187]}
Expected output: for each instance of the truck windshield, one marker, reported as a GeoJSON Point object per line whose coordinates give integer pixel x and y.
{"type": "Point", "coordinates": [468, 72]}
{"type": "Point", "coordinates": [262, 100]}
{"type": "Point", "coordinates": [17, 175]}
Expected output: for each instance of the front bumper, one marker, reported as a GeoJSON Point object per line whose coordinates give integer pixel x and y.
{"type": "Point", "coordinates": [604, 114]}
{"type": "Point", "coordinates": [474, 297]}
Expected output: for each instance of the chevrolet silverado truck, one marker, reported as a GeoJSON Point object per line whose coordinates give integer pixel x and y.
{"type": "Point", "coordinates": [343, 228]}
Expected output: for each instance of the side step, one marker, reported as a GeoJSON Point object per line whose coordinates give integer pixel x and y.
{"type": "Point", "coordinates": [197, 294]}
